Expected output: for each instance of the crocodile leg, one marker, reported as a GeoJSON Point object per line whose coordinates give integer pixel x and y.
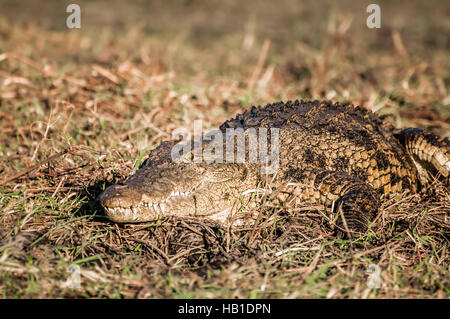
{"type": "Point", "coordinates": [355, 203]}
{"type": "Point", "coordinates": [429, 152]}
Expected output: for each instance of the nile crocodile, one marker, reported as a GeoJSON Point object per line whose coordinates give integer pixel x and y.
{"type": "Point", "coordinates": [337, 155]}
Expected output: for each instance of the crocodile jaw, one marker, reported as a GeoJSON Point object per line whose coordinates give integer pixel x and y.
{"type": "Point", "coordinates": [127, 205]}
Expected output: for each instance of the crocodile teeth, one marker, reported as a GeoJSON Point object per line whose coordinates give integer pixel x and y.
{"type": "Point", "coordinates": [161, 208]}
{"type": "Point", "coordinates": [173, 194]}
{"type": "Point", "coordinates": [122, 210]}
{"type": "Point", "coordinates": [157, 207]}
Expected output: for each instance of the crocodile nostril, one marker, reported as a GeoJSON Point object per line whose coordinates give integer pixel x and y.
{"type": "Point", "coordinates": [110, 192]}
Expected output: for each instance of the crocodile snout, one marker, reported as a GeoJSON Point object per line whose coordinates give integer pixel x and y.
{"type": "Point", "coordinates": [118, 196]}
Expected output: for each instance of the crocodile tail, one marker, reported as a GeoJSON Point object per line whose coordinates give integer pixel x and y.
{"type": "Point", "coordinates": [430, 153]}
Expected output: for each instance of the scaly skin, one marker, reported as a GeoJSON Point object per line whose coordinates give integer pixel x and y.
{"type": "Point", "coordinates": [337, 155]}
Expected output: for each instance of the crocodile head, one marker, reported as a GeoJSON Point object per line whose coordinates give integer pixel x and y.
{"type": "Point", "coordinates": [175, 189]}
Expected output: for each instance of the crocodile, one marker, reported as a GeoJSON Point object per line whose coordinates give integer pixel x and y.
{"type": "Point", "coordinates": [338, 155]}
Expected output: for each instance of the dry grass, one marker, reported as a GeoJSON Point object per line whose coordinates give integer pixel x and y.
{"type": "Point", "coordinates": [79, 109]}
